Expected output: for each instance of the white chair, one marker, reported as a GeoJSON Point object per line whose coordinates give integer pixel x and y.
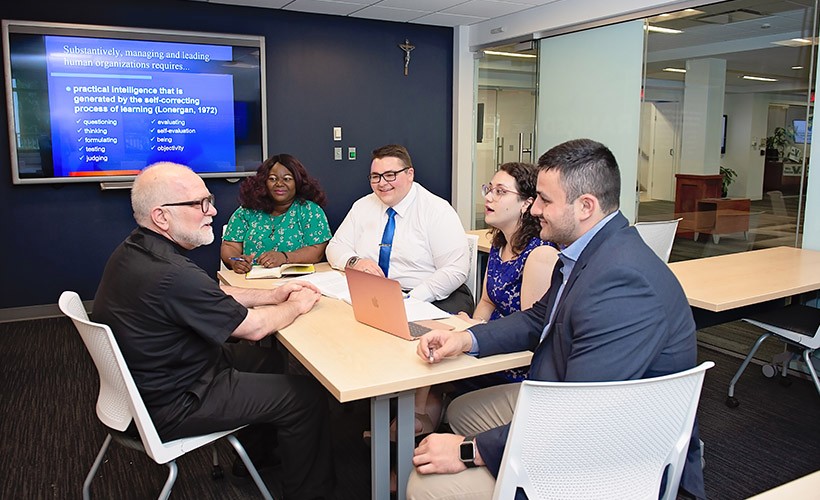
{"type": "Point", "coordinates": [778, 204]}
{"type": "Point", "coordinates": [119, 402]}
{"type": "Point", "coordinates": [659, 236]}
{"type": "Point", "coordinates": [796, 325]}
{"type": "Point", "coordinates": [472, 275]}
{"type": "Point", "coordinates": [600, 440]}
{"type": "Point", "coordinates": [222, 266]}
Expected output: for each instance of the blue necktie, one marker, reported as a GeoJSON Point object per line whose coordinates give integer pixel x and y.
{"type": "Point", "coordinates": [387, 240]}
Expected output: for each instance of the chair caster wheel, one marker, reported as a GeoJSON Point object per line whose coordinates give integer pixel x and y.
{"type": "Point", "coordinates": [217, 473]}
{"type": "Point", "coordinates": [732, 402]}
{"type": "Point", "coordinates": [769, 371]}
{"type": "Point", "coordinates": [785, 381]}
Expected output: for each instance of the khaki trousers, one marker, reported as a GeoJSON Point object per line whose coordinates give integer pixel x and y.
{"type": "Point", "coordinates": [470, 414]}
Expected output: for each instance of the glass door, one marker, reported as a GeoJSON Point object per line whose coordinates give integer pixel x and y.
{"type": "Point", "coordinates": [505, 113]}
{"type": "Point", "coordinates": [726, 120]}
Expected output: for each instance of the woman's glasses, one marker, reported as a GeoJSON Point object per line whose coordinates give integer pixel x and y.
{"type": "Point", "coordinates": [285, 179]}
{"type": "Point", "coordinates": [497, 191]}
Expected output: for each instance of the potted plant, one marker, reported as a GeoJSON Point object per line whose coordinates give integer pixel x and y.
{"type": "Point", "coordinates": [728, 177]}
{"type": "Point", "coordinates": [777, 143]}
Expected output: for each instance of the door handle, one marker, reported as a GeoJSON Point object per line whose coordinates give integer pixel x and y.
{"type": "Point", "coordinates": [524, 150]}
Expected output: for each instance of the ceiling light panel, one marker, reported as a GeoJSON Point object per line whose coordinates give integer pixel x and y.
{"type": "Point", "coordinates": [759, 78]}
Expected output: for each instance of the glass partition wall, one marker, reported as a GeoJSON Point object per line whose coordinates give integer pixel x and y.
{"type": "Point", "coordinates": [725, 124]}
{"type": "Point", "coordinates": [726, 115]}
{"type": "Point", "coordinates": [505, 113]}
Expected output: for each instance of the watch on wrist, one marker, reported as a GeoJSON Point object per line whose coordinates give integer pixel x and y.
{"type": "Point", "coordinates": [466, 451]}
{"type": "Point", "coordinates": [352, 261]}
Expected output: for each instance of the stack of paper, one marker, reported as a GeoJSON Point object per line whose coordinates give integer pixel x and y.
{"type": "Point", "coordinates": [331, 283]}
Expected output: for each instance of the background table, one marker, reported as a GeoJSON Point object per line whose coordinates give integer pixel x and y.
{"type": "Point", "coordinates": [354, 361]}
{"type": "Point", "coordinates": [735, 280]}
{"type": "Point", "coordinates": [730, 287]}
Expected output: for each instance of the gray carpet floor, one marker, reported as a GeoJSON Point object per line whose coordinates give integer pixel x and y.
{"type": "Point", "coordinates": [51, 434]}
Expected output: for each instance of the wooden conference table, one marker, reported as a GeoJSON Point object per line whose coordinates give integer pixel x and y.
{"type": "Point", "coordinates": [732, 281]}
{"type": "Point", "coordinates": [354, 361]}
{"type": "Point", "coordinates": [732, 284]}
{"type": "Point", "coordinates": [804, 488]}
{"type": "Point", "coordinates": [483, 240]}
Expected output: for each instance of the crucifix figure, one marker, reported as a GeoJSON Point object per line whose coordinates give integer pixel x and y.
{"type": "Point", "coordinates": [406, 47]}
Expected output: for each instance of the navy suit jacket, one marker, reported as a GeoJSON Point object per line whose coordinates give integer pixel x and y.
{"type": "Point", "coordinates": [622, 316]}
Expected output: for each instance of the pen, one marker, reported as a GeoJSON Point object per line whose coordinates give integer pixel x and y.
{"type": "Point", "coordinates": [236, 259]}
{"type": "Point", "coordinates": [430, 357]}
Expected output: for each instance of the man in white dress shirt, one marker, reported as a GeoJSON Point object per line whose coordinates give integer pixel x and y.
{"type": "Point", "coordinates": [426, 250]}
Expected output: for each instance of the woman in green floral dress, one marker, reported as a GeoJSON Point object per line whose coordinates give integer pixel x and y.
{"type": "Point", "coordinates": [280, 218]}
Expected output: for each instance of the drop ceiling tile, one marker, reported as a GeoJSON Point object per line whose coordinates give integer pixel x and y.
{"type": "Point", "coordinates": [486, 8]}
{"type": "Point", "coordinates": [268, 4]}
{"type": "Point", "coordinates": [323, 7]}
{"type": "Point", "coordinates": [389, 14]}
{"type": "Point", "coordinates": [442, 19]}
{"type": "Point", "coordinates": [423, 5]}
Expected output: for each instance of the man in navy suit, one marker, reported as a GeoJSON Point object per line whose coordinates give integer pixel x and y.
{"type": "Point", "coordinates": [614, 311]}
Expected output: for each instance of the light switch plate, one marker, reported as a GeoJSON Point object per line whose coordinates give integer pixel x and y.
{"type": "Point", "coordinates": [337, 153]}
{"type": "Point", "coordinates": [337, 133]}
{"type": "Point", "coordinates": [351, 153]}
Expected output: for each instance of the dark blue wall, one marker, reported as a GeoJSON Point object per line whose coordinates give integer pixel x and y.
{"type": "Point", "coordinates": [322, 71]}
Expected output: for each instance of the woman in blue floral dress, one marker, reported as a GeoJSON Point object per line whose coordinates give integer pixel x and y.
{"type": "Point", "coordinates": [280, 218]}
{"type": "Point", "coordinates": [520, 263]}
{"type": "Point", "coordinates": [518, 274]}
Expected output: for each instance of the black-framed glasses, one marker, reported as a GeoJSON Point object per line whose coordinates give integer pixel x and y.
{"type": "Point", "coordinates": [389, 176]}
{"type": "Point", "coordinates": [498, 191]}
{"type": "Point", "coordinates": [205, 203]}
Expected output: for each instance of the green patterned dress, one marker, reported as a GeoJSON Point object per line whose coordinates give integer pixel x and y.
{"type": "Point", "coordinates": [304, 224]}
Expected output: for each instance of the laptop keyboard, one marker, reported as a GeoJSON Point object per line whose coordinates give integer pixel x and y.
{"type": "Point", "coordinates": [417, 330]}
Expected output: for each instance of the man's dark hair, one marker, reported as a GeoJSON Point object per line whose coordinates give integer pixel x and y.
{"type": "Point", "coordinates": [395, 151]}
{"type": "Point", "coordinates": [585, 167]}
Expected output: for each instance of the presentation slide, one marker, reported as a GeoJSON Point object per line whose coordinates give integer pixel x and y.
{"type": "Point", "coordinates": [118, 105]}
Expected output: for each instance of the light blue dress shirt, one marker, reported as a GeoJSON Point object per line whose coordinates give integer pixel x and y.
{"type": "Point", "coordinates": [569, 256]}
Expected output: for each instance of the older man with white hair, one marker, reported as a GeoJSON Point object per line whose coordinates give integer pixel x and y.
{"type": "Point", "coordinates": [171, 321]}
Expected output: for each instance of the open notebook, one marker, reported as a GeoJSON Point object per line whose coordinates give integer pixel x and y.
{"type": "Point", "coordinates": [260, 272]}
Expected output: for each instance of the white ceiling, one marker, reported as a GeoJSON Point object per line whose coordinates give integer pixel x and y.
{"type": "Point", "coordinates": [432, 12]}
{"type": "Point", "coordinates": [740, 31]}
{"type": "Point", "coordinates": [745, 34]}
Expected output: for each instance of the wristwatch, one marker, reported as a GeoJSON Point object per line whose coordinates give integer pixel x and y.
{"type": "Point", "coordinates": [466, 452]}
{"type": "Point", "coordinates": [352, 261]}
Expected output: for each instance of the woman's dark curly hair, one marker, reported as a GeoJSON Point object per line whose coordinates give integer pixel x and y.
{"type": "Point", "coordinates": [254, 194]}
{"type": "Point", "coordinates": [525, 175]}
